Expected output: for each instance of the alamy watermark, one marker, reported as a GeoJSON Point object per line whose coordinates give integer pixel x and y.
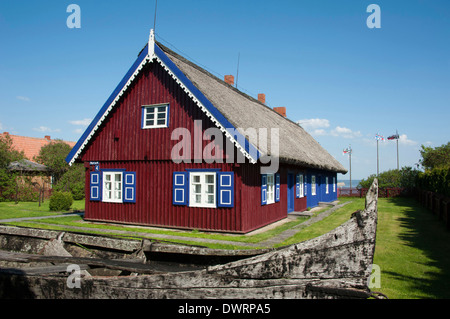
{"type": "Point", "coordinates": [74, 279]}
{"type": "Point", "coordinates": [74, 19]}
{"type": "Point", "coordinates": [375, 277]}
{"type": "Point", "coordinates": [374, 20]}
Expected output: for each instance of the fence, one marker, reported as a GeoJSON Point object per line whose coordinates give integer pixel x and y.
{"type": "Point", "coordinates": [361, 192]}
{"type": "Point", "coordinates": [439, 205]}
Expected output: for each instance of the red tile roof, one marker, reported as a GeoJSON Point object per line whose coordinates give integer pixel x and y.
{"type": "Point", "coordinates": [31, 145]}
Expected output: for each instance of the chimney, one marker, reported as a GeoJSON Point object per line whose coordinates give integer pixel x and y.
{"type": "Point", "coordinates": [262, 98]}
{"type": "Point", "coordinates": [229, 79]}
{"type": "Point", "coordinates": [47, 137]}
{"type": "Point", "coordinates": [280, 110]}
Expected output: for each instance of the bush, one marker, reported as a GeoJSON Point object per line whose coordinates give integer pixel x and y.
{"type": "Point", "coordinates": [60, 201]}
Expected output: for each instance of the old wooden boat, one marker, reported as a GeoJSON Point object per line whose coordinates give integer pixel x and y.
{"type": "Point", "coordinates": [335, 265]}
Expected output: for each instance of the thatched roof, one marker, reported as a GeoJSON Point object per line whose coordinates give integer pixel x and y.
{"type": "Point", "coordinates": [227, 107]}
{"type": "Point", "coordinates": [25, 165]}
{"type": "Point", "coordinates": [296, 146]}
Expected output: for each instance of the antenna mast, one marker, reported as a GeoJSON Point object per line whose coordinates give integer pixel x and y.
{"type": "Point", "coordinates": [154, 20]}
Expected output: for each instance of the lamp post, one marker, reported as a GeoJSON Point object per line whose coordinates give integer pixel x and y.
{"type": "Point", "coordinates": [348, 151]}
{"type": "Point", "coordinates": [395, 137]}
{"type": "Point", "coordinates": [378, 137]}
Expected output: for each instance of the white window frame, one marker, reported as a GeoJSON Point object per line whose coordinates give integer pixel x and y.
{"type": "Point", "coordinates": [313, 185]}
{"type": "Point", "coordinates": [334, 184]}
{"type": "Point", "coordinates": [116, 189]}
{"type": "Point", "coordinates": [326, 185]}
{"type": "Point", "coordinates": [270, 188]}
{"type": "Point", "coordinates": [156, 112]}
{"type": "Point", "coordinates": [300, 181]}
{"type": "Point", "coordinates": [203, 189]}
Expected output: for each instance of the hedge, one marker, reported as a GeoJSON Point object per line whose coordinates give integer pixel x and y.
{"type": "Point", "coordinates": [436, 180]}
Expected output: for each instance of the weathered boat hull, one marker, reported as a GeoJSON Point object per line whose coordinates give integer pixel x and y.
{"type": "Point", "coordinates": [335, 265]}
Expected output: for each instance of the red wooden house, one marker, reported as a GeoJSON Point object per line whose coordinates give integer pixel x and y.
{"type": "Point", "coordinates": [174, 146]}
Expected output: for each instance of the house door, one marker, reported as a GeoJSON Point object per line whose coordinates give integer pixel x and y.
{"type": "Point", "coordinates": [290, 192]}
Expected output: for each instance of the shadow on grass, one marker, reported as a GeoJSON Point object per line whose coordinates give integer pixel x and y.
{"type": "Point", "coordinates": [425, 232]}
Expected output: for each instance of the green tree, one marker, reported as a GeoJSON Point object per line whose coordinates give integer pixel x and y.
{"type": "Point", "coordinates": [73, 181]}
{"type": "Point", "coordinates": [404, 178]}
{"type": "Point", "coordinates": [438, 157]}
{"type": "Point", "coordinates": [7, 153]}
{"type": "Point", "coordinates": [7, 178]}
{"type": "Point", "coordinates": [53, 156]}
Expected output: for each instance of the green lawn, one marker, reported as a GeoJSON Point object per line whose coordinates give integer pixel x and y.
{"type": "Point", "coordinates": [32, 209]}
{"type": "Point", "coordinates": [412, 248]}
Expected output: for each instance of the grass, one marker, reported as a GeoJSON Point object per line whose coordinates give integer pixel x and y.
{"type": "Point", "coordinates": [412, 247]}
{"type": "Point", "coordinates": [412, 250]}
{"type": "Point", "coordinates": [32, 209]}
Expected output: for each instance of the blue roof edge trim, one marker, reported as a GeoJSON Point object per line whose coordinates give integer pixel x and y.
{"type": "Point", "coordinates": [108, 102]}
{"type": "Point", "coordinates": [249, 148]}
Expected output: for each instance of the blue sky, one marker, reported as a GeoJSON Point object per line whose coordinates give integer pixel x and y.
{"type": "Point", "coordinates": [343, 81]}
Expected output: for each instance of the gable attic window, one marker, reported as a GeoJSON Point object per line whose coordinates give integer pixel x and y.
{"type": "Point", "coordinates": [155, 116]}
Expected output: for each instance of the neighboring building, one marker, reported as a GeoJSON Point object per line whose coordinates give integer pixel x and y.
{"type": "Point", "coordinates": [38, 175]}
{"type": "Point", "coordinates": [137, 175]}
{"type": "Point", "coordinates": [31, 145]}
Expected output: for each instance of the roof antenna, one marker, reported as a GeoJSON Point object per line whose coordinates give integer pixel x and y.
{"type": "Point", "coordinates": [237, 72]}
{"type": "Point", "coordinates": [154, 20]}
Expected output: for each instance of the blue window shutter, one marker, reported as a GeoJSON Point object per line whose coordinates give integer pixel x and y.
{"type": "Point", "coordinates": [129, 187]}
{"type": "Point", "coordinates": [263, 189]}
{"type": "Point", "coordinates": [277, 187]}
{"type": "Point", "coordinates": [95, 187]}
{"type": "Point", "coordinates": [180, 188]}
{"type": "Point", "coordinates": [225, 189]}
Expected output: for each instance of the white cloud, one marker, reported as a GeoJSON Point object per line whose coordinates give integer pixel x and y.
{"type": "Point", "coordinates": [23, 98]}
{"type": "Point", "coordinates": [46, 129]}
{"type": "Point", "coordinates": [317, 127]}
{"type": "Point", "coordinates": [345, 132]}
{"type": "Point", "coordinates": [309, 124]}
{"type": "Point", "coordinates": [319, 132]}
{"type": "Point", "coordinates": [84, 122]}
{"type": "Point", "coordinates": [403, 139]}
{"type": "Point", "coordinates": [78, 130]}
